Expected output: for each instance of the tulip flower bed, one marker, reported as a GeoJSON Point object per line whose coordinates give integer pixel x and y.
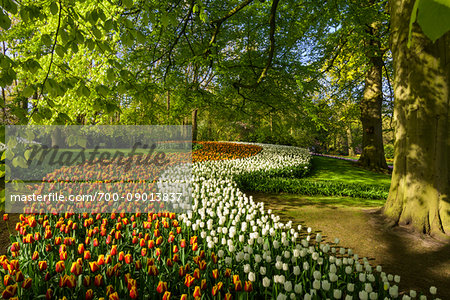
{"type": "Point", "coordinates": [228, 247]}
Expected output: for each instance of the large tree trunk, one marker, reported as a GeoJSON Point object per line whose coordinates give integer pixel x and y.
{"type": "Point", "coordinates": [372, 156]}
{"type": "Point", "coordinates": [419, 193]}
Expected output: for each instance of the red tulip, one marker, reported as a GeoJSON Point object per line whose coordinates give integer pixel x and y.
{"type": "Point", "coordinates": [114, 296]}
{"type": "Point", "coordinates": [238, 285]}
{"type": "Point", "coordinates": [5, 217]}
{"type": "Point", "coordinates": [98, 280]}
{"type": "Point", "coordinates": [203, 284]}
{"type": "Point", "coordinates": [121, 256]}
{"type": "Point", "coordinates": [7, 280]}
{"type": "Point", "coordinates": [101, 260]}
{"type": "Point", "coordinates": [94, 266]}
{"type": "Point", "coordinates": [151, 244]}
{"type": "Point", "coordinates": [183, 297]}
{"type": "Point", "coordinates": [87, 280]}
{"type": "Point", "coordinates": [57, 240]}
{"type": "Point", "coordinates": [60, 266]}
{"type": "Point", "coordinates": [35, 255]}
{"type": "Point", "coordinates": [188, 280]}
{"type": "Point", "coordinates": [89, 294]}
{"type": "Point", "coordinates": [215, 273]}
{"type": "Point", "coordinates": [15, 247]}
{"type": "Point", "coordinates": [113, 250]}
{"type": "Point", "coordinates": [193, 240]}
{"type": "Point", "coordinates": [69, 281]}
{"type": "Point", "coordinates": [197, 273]}
{"type": "Point", "coordinates": [227, 296]}
{"type": "Point", "coordinates": [133, 292]}
{"type": "Point", "coordinates": [162, 287]}
{"type": "Point", "coordinates": [194, 247]}
{"type": "Point", "coordinates": [27, 283]}
{"type": "Point", "coordinates": [197, 292]}
{"type": "Point", "coordinates": [63, 255]}
{"type": "Point", "coordinates": [183, 243]}
{"type": "Point", "coordinates": [166, 296]}
{"type": "Point", "coordinates": [80, 249]}
{"type": "Point", "coordinates": [49, 294]}
{"type": "Point", "coordinates": [128, 258]}
{"type": "Point", "coordinates": [76, 268]}
{"type": "Point", "coordinates": [87, 255]}
{"type": "Point", "coordinates": [10, 291]}
{"type": "Point", "coordinates": [248, 287]}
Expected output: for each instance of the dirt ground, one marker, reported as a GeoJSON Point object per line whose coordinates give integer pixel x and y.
{"type": "Point", "coordinates": [421, 261]}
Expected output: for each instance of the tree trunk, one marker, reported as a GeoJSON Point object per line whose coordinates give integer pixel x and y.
{"type": "Point", "coordinates": [372, 156]}
{"type": "Point", "coordinates": [419, 193]}
{"type": "Point", "coordinates": [351, 151]}
{"type": "Point", "coordinates": [168, 106]}
{"type": "Point", "coordinates": [194, 125]}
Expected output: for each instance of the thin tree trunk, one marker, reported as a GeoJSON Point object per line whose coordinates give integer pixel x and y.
{"type": "Point", "coordinates": [372, 156]}
{"type": "Point", "coordinates": [419, 193]}
{"type": "Point", "coordinates": [351, 151]}
{"type": "Point", "coordinates": [168, 106]}
{"type": "Point", "coordinates": [194, 125]}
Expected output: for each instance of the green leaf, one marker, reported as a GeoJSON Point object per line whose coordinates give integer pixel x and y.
{"type": "Point", "coordinates": [81, 142]}
{"type": "Point", "coordinates": [102, 90]}
{"type": "Point", "coordinates": [20, 162]}
{"type": "Point", "coordinates": [90, 44]}
{"type": "Point", "coordinates": [97, 33]}
{"type": "Point", "coordinates": [10, 6]}
{"type": "Point", "coordinates": [46, 39]}
{"type": "Point", "coordinates": [37, 117]}
{"type": "Point", "coordinates": [434, 17]}
{"type": "Point", "coordinates": [165, 20]}
{"type": "Point", "coordinates": [28, 91]}
{"type": "Point", "coordinates": [110, 75]}
{"type": "Point", "coordinates": [60, 51]}
{"type": "Point", "coordinates": [74, 47]}
{"type": "Point", "coordinates": [5, 22]}
{"type": "Point", "coordinates": [54, 8]}
{"type": "Point", "coordinates": [127, 3]}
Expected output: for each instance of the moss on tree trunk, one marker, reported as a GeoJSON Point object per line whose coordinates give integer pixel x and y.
{"type": "Point", "coordinates": [419, 193]}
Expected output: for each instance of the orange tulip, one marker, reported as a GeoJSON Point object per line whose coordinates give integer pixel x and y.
{"type": "Point", "coordinates": [128, 259]}
{"type": "Point", "coordinates": [113, 250]}
{"type": "Point", "coordinates": [183, 297]}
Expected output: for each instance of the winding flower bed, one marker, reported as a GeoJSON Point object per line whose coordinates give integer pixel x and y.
{"type": "Point", "coordinates": [228, 247]}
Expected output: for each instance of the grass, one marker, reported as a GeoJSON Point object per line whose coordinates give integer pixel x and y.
{"type": "Point", "coordinates": [321, 201]}
{"type": "Point", "coordinates": [331, 169]}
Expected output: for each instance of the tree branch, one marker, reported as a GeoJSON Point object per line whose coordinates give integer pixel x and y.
{"type": "Point", "coordinates": [263, 74]}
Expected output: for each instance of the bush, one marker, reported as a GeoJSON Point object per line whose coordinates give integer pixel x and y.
{"type": "Point", "coordinates": [309, 187]}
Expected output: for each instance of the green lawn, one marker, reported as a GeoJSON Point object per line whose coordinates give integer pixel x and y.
{"type": "Point", "coordinates": [325, 168]}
